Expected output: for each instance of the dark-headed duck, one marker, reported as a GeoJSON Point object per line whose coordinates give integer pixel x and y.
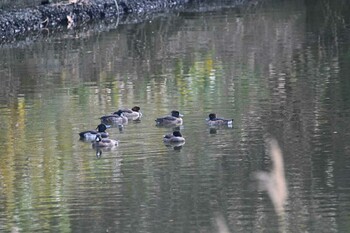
{"type": "Point", "coordinates": [174, 137]}
{"type": "Point", "coordinates": [104, 142]}
{"type": "Point", "coordinates": [132, 114]}
{"type": "Point", "coordinates": [116, 118]}
{"type": "Point", "coordinates": [216, 121]}
{"type": "Point", "coordinates": [170, 121]}
{"type": "Point", "coordinates": [90, 135]}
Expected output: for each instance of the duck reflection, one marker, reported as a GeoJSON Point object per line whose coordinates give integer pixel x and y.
{"type": "Point", "coordinates": [99, 151]}
{"type": "Point", "coordinates": [216, 129]}
{"type": "Point", "coordinates": [213, 130]}
{"type": "Point", "coordinates": [116, 125]}
{"type": "Point", "coordinates": [174, 145]}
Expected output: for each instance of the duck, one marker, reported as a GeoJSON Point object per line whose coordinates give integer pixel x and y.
{"type": "Point", "coordinates": [104, 142]}
{"type": "Point", "coordinates": [132, 114]}
{"type": "Point", "coordinates": [90, 135]}
{"type": "Point", "coordinates": [216, 121]}
{"type": "Point", "coordinates": [170, 121]}
{"type": "Point", "coordinates": [117, 118]}
{"type": "Point", "coordinates": [175, 137]}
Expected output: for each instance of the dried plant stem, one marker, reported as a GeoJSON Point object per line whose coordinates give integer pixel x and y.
{"type": "Point", "coordinates": [274, 182]}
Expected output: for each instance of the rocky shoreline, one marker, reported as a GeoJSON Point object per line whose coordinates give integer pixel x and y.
{"type": "Point", "coordinates": [25, 25]}
{"type": "Point", "coordinates": [75, 13]}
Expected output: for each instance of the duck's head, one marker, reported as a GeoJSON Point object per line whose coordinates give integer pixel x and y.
{"type": "Point", "coordinates": [212, 116]}
{"type": "Point", "coordinates": [177, 134]}
{"type": "Point", "coordinates": [175, 113]}
{"type": "Point", "coordinates": [101, 128]}
{"type": "Point", "coordinates": [136, 108]}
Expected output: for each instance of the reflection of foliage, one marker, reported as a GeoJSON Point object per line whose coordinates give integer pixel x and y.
{"type": "Point", "coordinates": [332, 15]}
{"type": "Point", "coordinates": [200, 81]}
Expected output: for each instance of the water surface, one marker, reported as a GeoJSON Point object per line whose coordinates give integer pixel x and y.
{"type": "Point", "coordinates": [277, 69]}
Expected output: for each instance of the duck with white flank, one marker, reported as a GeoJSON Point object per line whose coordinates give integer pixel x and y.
{"type": "Point", "coordinates": [104, 142]}
{"type": "Point", "coordinates": [217, 121]}
{"type": "Point", "coordinates": [132, 114]}
{"type": "Point", "coordinates": [90, 135]}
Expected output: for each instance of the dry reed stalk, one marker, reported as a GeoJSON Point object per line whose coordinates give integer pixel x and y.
{"type": "Point", "coordinates": [274, 182]}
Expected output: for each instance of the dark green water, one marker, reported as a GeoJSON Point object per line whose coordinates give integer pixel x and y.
{"type": "Point", "coordinates": [277, 69]}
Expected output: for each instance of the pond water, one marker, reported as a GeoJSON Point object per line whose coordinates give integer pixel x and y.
{"type": "Point", "coordinates": [279, 70]}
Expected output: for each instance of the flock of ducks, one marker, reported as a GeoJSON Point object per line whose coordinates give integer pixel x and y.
{"type": "Point", "coordinates": [100, 138]}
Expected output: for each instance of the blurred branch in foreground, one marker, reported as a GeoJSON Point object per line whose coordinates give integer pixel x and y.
{"type": "Point", "coordinates": [274, 182]}
{"type": "Point", "coordinates": [221, 225]}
